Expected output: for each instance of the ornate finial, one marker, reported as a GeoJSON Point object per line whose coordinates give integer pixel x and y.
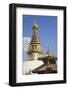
{"type": "Point", "coordinates": [49, 52]}
{"type": "Point", "coordinates": [35, 26]}
{"type": "Point", "coordinates": [35, 19]}
{"type": "Point", "coordinates": [48, 48]}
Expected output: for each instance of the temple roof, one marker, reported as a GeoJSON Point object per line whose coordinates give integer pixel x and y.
{"type": "Point", "coordinates": [48, 56]}
{"type": "Point", "coordinates": [51, 68]}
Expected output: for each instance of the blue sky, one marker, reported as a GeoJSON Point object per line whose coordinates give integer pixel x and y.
{"type": "Point", "coordinates": [47, 31]}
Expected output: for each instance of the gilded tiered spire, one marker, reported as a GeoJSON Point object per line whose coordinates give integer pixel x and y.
{"type": "Point", "coordinates": [35, 46]}
{"type": "Point", "coordinates": [35, 38]}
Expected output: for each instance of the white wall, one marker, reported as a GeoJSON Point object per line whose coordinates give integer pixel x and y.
{"type": "Point", "coordinates": [4, 44]}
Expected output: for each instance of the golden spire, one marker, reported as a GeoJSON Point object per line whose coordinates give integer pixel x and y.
{"type": "Point", "coordinates": [35, 45]}
{"type": "Point", "coordinates": [35, 38]}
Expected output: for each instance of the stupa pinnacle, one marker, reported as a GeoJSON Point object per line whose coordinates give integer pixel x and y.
{"type": "Point", "coordinates": [34, 49]}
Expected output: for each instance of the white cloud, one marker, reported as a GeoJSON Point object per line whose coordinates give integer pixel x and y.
{"type": "Point", "coordinates": [26, 42]}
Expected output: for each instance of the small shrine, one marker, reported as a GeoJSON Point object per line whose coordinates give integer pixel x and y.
{"type": "Point", "coordinates": [49, 65]}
